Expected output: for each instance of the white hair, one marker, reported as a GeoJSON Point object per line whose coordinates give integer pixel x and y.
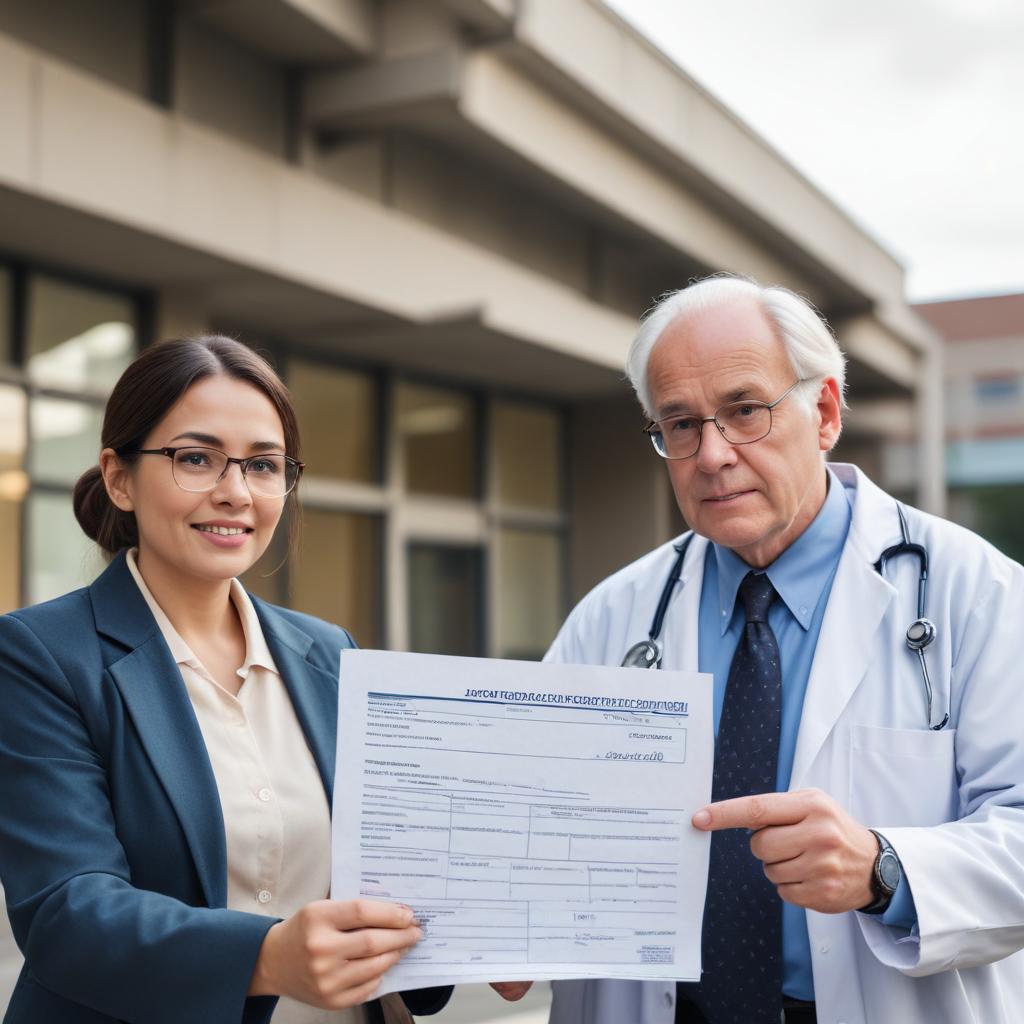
{"type": "Point", "coordinates": [812, 349]}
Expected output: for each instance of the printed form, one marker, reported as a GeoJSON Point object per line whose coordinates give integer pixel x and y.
{"type": "Point", "coordinates": [536, 817]}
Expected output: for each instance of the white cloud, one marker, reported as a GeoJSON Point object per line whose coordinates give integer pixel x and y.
{"type": "Point", "coordinates": [909, 113]}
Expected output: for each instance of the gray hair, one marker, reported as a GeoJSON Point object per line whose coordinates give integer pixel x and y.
{"type": "Point", "coordinates": [810, 345]}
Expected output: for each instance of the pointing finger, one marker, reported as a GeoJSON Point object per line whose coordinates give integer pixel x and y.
{"type": "Point", "coordinates": [751, 812]}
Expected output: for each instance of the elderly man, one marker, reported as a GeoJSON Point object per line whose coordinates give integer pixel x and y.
{"type": "Point", "coordinates": [867, 854]}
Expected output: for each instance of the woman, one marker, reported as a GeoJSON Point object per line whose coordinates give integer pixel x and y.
{"type": "Point", "coordinates": [167, 741]}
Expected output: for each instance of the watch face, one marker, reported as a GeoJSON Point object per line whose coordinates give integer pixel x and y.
{"type": "Point", "coordinates": [889, 870]}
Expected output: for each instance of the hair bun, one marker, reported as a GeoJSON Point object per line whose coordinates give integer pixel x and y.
{"type": "Point", "coordinates": [100, 519]}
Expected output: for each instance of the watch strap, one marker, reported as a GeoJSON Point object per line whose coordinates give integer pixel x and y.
{"type": "Point", "coordinates": [882, 892]}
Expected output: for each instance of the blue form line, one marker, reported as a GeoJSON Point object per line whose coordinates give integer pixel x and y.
{"type": "Point", "coordinates": [518, 704]}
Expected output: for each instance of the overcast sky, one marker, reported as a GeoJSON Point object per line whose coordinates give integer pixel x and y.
{"type": "Point", "coordinates": [908, 113]}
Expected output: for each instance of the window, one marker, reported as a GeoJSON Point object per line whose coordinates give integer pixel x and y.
{"type": "Point", "coordinates": [65, 438]}
{"type": "Point", "coordinates": [531, 601]}
{"type": "Point", "coordinates": [437, 430]}
{"type": "Point", "coordinates": [445, 600]}
{"type": "Point", "coordinates": [527, 456]}
{"type": "Point", "coordinates": [74, 340]}
{"type": "Point", "coordinates": [60, 556]}
{"type": "Point", "coordinates": [13, 486]}
{"type": "Point", "coordinates": [339, 414]}
{"type": "Point", "coordinates": [1004, 389]}
{"type": "Point", "coordinates": [337, 574]}
{"type": "Point", "coordinates": [78, 339]}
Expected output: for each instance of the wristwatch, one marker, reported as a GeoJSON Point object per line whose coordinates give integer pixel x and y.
{"type": "Point", "coordinates": [885, 876]}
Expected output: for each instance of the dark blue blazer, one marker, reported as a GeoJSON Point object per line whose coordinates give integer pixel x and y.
{"type": "Point", "coordinates": [112, 849]}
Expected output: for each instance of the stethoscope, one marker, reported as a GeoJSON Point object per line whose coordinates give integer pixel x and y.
{"type": "Point", "coordinates": [920, 634]}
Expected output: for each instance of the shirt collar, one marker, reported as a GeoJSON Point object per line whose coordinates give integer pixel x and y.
{"type": "Point", "coordinates": [801, 572]}
{"type": "Point", "coordinates": [256, 650]}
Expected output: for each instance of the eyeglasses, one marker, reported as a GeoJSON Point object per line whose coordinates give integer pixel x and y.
{"type": "Point", "coordinates": [200, 469]}
{"type": "Point", "coordinates": [744, 422]}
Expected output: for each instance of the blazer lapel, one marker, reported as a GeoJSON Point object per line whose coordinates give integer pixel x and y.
{"type": "Point", "coordinates": [313, 690]}
{"type": "Point", "coordinates": [151, 686]}
{"type": "Point", "coordinates": [858, 603]}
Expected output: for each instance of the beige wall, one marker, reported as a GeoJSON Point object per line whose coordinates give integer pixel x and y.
{"type": "Point", "coordinates": [103, 37]}
{"type": "Point", "coordinates": [967, 364]}
{"type": "Point", "coordinates": [219, 84]}
{"type": "Point", "coordinates": [482, 205]}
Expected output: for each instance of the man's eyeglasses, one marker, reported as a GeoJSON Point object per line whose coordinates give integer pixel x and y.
{"type": "Point", "coordinates": [679, 437]}
{"type": "Point", "coordinates": [200, 469]}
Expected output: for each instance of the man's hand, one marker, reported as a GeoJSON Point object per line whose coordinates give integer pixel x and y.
{"type": "Point", "coordinates": [816, 855]}
{"type": "Point", "coordinates": [511, 990]}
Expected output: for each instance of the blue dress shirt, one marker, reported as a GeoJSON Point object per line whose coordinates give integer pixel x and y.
{"type": "Point", "coordinates": [802, 575]}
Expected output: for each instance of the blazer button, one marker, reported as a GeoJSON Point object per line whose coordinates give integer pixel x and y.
{"type": "Point", "coordinates": [264, 896]}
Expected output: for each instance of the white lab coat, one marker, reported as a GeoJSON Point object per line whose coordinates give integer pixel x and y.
{"type": "Point", "coordinates": [951, 802]}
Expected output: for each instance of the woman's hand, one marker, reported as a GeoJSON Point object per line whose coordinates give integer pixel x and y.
{"type": "Point", "coordinates": [332, 953]}
{"type": "Point", "coordinates": [511, 990]}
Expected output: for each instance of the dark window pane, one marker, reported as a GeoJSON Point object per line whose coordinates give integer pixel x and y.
{"type": "Point", "coordinates": [438, 433]}
{"type": "Point", "coordinates": [338, 412]}
{"type": "Point", "coordinates": [527, 455]}
{"type": "Point", "coordinates": [445, 600]}
{"type": "Point", "coordinates": [60, 556]}
{"type": "Point", "coordinates": [531, 601]}
{"type": "Point", "coordinates": [78, 338]}
{"type": "Point", "coordinates": [337, 575]}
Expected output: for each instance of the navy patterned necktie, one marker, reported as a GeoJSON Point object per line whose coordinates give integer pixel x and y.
{"type": "Point", "coordinates": [742, 938]}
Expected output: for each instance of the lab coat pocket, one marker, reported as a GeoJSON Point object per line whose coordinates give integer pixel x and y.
{"type": "Point", "coordinates": [902, 776]}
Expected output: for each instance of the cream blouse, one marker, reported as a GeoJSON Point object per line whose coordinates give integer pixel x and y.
{"type": "Point", "coordinates": [276, 819]}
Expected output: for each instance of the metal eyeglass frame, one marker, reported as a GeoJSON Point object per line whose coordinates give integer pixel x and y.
{"type": "Point", "coordinates": [653, 428]}
{"type": "Point", "coordinates": [243, 465]}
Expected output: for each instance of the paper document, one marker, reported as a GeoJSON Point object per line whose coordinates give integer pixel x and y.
{"type": "Point", "coordinates": [535, 817]}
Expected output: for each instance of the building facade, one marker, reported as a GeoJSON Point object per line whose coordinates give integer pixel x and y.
{"type": "Point", "coordinates": [441, 220]}
{"type": "Point", "coordinates": [984, 371]}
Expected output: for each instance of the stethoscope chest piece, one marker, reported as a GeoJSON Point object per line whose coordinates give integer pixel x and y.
{"type": "Point", "coordinates": [920, 634]}
{"type": "Point", "coordinates": [645, 654]}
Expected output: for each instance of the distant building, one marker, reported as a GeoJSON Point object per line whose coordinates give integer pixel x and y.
{"type": "Point", "coordinates": [984, 373]}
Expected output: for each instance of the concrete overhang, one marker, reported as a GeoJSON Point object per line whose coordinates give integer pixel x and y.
{"type": "Point", "coordinates": [610, 126]}
{"type": "Point", "coordinates": [478, 100]}
{"type": "Point", "coordinates": [880, 361]}
{"type": "Point", "coordinates": [623, 79]}
{"type": "Point", "coordinates": [90, 176]}
{"type": "Point", "coordinates": [293, 32]}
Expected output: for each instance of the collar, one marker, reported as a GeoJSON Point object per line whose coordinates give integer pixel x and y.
{"type": "Point", "coordinates": [802, 571]}
{"type": "Point", "coordinates": [256, 650]}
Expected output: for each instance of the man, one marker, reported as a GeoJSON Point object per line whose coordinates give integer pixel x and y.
{"type": "Point", "coordinates": [826, 725]}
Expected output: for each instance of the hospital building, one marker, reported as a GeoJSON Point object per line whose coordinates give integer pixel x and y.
{"type": "Point", "coordinates": [441, 221]}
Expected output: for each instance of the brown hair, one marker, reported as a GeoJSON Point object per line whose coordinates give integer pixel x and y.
{"type": "Point", "coordinates": [143, 395]}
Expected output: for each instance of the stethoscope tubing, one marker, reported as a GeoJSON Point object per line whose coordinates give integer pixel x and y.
{"type": "Point", "coordinates": [920, 634]}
